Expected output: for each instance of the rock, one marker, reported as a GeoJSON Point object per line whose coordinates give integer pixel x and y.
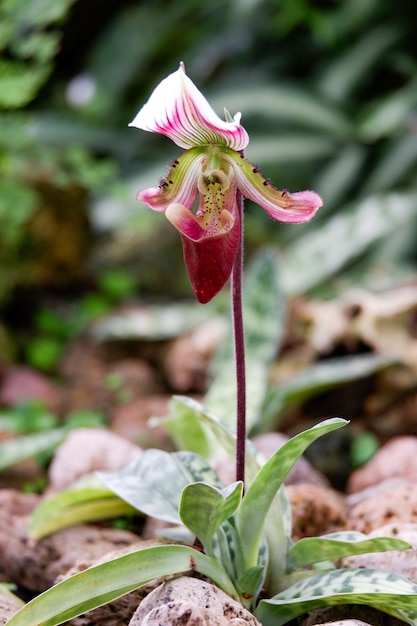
{"type": "Point", "coordinates": [37, 565]}
{"type": "Point", "coordinates": [193, 602]}
{"type": "Point", "coordinates": [8, 606]}
{"type": "Point", "coordinates": [187, 359]}
{"type": "Point", "coordinates": [349, 615]}
{"type": "Point", "coordinates": [396, 459]}
{"type": "Point", "coordinates": [22, 384]}
{"type": "Point", "coordinates": [131, 421]}
{"type": "Point", "coordinates": [315, 510]}
{"type": "Point", "coordinates": [402, 562]}
{"type": "Point", "coordinates": [358, 496]}
{"type": "Point", "coordinates": [395, 505]}
{"type": "Point", "coordinates": [104, 376]}
{"type": "Point", "coordinates": [27, 473]}
{"type": "Point", "coordinates": [86, 450]}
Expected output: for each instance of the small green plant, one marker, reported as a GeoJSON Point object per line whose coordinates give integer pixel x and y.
{"type": "Point", "coordinates": [246, 540]}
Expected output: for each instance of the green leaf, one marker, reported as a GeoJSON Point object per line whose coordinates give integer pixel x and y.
{"type": "Point", "coordinates": [312, 550]}
{"type": "Point", "coordinates": [313, 259]}
{"type": "Point", "coordinates": [152, 323]}
{"type": "Point", "coordinates": [385, 591]}
{"type": "Point", "coordinates": [187, 432]}
{"type": "Point", "coordinates": [6, 589]}
{"type": "Point", "coordinates": [287, 103]}
{"type": "Point", "coordinates": [197, 468]}
{"type": "Point", "coordinates": [153, 483]}
{"type": "Point", "coordinates": [264, 311]}
{"type": "Point", "coordinates": [251, 516]}
{"type": "Point", "coordinates": [204, 508]}
{"type": "Point", "coordinates": [399, 158]}
{"type": "Point", "coordinates": [316, 379]}
{"type": "Point", "coordinates": [223, 434]}
{"type": "Point", "coordinates": [387, 115]}
{"type": "Point", "coordinates": [19, 83]}
{"type": "Point", "coordinates": [250, 583]}
{"type": "Point", "coordinates": [15, 450]}
{"type": "Point", "coordinates": [344, 74]}
{"type": "Point", "coordinates": [87, 500]}
{"type": "Point", "coordinates": [104, 583]}
{"type": "Point", "coordinates": [286, 148]}
{"type": "Point", "coordinates": [337, 177]}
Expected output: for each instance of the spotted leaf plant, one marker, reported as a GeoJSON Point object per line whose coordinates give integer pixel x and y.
{"type": "Point", "coordinates": [243, 529]}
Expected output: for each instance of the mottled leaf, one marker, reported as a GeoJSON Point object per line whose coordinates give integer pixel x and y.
{"type": "Point", "coordinates": [151, 322]}
{"type": "Point", "coordinates": [260, 494]}
{"type": "Point", "coordinates": [152, 483]}
{"type": "Point", "coordinates": [187, 432]}
{"type": "Point", "coordinates": [386, 591]}
{"type": "Point", "coordinates": [312, 550]}
{"type": "Point", "coordinates": [223, 434]}
{"type": "Point", "coordinates": [313, 259]}
{"type": "Point", "coordinates": [204, 508]}
{"type": "Point", "coordinates": [197, 469]}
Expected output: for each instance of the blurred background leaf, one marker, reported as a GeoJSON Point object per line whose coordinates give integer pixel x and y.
{"type": "Point", "coordinates": [328, 93]}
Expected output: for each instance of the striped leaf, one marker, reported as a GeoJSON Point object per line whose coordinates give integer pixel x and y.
{"type": "Point", "coordinates": [385, 591]}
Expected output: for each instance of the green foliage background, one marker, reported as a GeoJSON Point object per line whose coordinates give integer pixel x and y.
{"type": "Point", "coordinates": [328, 93]}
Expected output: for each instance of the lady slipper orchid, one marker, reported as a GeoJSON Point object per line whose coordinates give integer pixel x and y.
{"type": "Point", "coordinates": [212, 167]}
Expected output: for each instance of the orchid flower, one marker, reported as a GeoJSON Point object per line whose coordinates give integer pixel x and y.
{"type": "Point", "coordinates": [214, 168]}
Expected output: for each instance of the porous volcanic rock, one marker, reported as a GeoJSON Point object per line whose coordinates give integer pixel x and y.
{"type": "Point", "coordinates": [394, 505]}
{"type": "Point", "coordinates": [191, 601]}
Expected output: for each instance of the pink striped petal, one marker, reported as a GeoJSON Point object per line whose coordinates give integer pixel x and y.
{"type": "Point", "coordinates": [179, 110]}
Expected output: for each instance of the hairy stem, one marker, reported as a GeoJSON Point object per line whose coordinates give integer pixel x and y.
{"type": "Point", "coordinates": [239, 342]}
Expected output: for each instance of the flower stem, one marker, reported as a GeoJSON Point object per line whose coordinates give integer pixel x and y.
{"type": "Point", "coordinates": [239, 343]}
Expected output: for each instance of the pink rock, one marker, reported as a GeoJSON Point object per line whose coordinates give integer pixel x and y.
{"type": "Point", "coordinates": [8, 607]}
{"type": "Point", "coordinates": [193, 602]}
{"type": "Point", "coordinates": [396, 459]}
{"type": "Point", "coordinates": [131, 421]}
{"type": "Point", "coordinates": [22, 384]}
{"type": "Point", "coordinates": [187, 359]}
{"type": "Point", "coordinates": [86, 450]}
{"type": "Point", "coordinates": [315, 510]}
{"type": "Point", "coordinates": [36, 565]}
{"type": "Point", "coordinates": [395, 505]}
